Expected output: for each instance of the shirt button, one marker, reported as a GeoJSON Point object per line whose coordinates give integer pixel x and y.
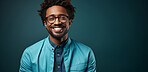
{"type": "Point", "coordinates": [58, 66]}
{"type": "Point", "coordinates": [58, 54]}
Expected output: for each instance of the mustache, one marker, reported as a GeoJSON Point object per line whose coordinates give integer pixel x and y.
{"type": "Point", "coordinates": [57, 25]}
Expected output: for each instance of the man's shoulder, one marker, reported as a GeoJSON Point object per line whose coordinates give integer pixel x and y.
{"type": "Point", "coordinates": [81, 46]}
{"type": "Point", "coordinates": [81, 51]}
{"type": "Point", "coordinates": [36, 46]}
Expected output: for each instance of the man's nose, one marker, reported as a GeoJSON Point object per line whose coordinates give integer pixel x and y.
{"type": "Point", "coordinates": [57, 21]}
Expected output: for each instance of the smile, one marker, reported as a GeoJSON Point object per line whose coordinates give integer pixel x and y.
{"type": "Point", "coordinates": [57, 29]}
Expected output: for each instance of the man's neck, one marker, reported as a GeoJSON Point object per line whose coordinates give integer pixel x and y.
{"type": "Point", "coordinates": [58, 41]}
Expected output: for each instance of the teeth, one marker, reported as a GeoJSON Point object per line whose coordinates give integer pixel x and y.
{"type": "Point", "coordinates": [57, 29]}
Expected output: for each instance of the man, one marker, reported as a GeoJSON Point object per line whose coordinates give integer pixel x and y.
{"type": "Point", "coordinates": [57, 52]}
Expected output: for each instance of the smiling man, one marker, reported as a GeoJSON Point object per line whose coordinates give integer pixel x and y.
{"type": "Point", "coordinates": [57, 52]}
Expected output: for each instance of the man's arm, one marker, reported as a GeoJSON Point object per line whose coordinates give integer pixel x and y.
{"type": "Point", "coordinates": [91, 63]}
{"type": "Point", "coordinates": [25, 63]}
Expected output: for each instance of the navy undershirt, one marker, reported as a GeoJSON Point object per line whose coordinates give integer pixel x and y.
{"type": "Point", "coordinates": [58, 57]}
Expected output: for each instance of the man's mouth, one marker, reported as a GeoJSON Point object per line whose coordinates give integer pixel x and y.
{"type": "Point", "coordinates": [58, 30]}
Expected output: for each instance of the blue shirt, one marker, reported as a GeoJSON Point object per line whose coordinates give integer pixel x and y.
{"type": "Point", "coordinates": [39, 57]}
{"type": "Point", "coordinates": [58, 57]}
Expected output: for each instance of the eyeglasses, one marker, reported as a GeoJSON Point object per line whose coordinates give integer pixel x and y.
{"type": "Point", "coordinates": [62, 18]}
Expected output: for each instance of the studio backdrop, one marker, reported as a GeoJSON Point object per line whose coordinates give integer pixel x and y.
{"type": "Point", "coordinates": [116, 30]}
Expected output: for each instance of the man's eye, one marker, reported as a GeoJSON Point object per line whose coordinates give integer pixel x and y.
{"type": "Point", "coordinates": [63, 18]}
{"type": "Point", "coordinates": [51, 19]}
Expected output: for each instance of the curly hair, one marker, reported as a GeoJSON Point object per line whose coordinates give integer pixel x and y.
{"type": "Point", "coordinates": [49, 3]}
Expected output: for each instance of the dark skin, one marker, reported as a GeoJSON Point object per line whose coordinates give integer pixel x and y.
{"type": "Point", "coordinates": [57, 34]}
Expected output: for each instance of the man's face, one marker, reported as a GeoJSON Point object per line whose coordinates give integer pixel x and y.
{"type": "Point", "coordinates": [57, 22]}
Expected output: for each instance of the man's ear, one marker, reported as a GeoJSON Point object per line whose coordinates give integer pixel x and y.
{"type": "Point", "coordinates": [70, 21]}
{"type": "Point", "coordinates": [45, 23]}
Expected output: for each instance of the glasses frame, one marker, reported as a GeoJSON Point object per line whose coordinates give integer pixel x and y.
{"type": "Point", "coordinates": [56, 18]}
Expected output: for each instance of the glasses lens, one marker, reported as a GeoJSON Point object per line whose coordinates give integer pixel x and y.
{"type": "Point", "coordinates": [63, 18]}
{"type": "Point", "coordinates": [51, 19]}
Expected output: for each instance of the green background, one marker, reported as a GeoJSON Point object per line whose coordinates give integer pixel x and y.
{"type": "Point", "coordinates": [116, 30]}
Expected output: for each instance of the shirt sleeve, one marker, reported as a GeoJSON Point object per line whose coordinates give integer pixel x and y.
{"type": "Point", "coordinates": [25, 63]}
{"type": "Point", "coordinates": [91, 63]}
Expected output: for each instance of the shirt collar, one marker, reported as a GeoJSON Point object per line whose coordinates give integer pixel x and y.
{"type": "Point", "coordinates": [50, 47]}
{"type": "Point", "coordinates": [54, 45]}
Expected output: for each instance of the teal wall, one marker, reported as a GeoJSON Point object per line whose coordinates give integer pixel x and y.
{"type": "Point", "coordinates": [116, 30]}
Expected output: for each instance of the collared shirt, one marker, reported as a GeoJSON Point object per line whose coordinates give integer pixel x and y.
{"type": "Point", "coordinates": [39, 57]}
{"type": "Point", "coordinates": [58, 57]}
